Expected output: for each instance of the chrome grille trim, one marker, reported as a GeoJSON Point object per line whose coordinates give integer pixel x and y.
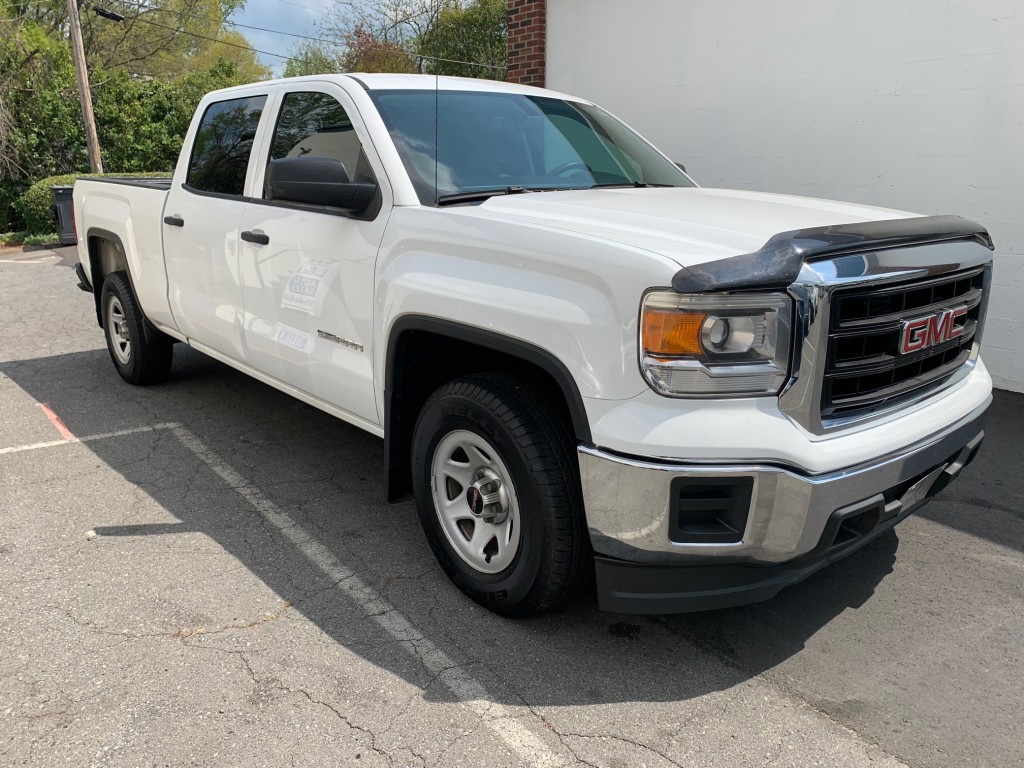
{"type": "Point", "coordinates": [821, 282]}
{"type": "Point", "coordinates": [864, 368]}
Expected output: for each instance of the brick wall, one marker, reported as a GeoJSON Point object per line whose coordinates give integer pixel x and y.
{"type": "Point", "coordinates": [527, 24]}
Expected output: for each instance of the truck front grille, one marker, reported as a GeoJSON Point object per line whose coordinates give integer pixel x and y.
{"type": "Point", "coordinates": [865, 369]}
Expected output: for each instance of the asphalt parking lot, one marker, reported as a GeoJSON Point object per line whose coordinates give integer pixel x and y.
{"type": "Point", "coordinates": [206, 573]}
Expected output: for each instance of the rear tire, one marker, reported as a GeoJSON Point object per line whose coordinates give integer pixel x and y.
{"type": "Point", "coordinates": [137, 360]}
{"type": "Point", "coordinates": [518, 544]}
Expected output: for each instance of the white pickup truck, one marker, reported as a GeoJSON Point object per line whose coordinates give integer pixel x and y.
{"type": "Point", "coordinates": [582, 364]}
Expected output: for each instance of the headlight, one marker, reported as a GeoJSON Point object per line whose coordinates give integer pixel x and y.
{"type": "Point", "coordinates": [715, 344]}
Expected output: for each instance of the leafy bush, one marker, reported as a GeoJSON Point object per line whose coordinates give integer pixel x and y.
{"type": "Point", "coordinates": [141, 116]}
{"type": "Point", "coordinates": [10, 191]}
{"type": "Point", "coordinates": [12, 238]}
{"type": "Point", "coordinates": [35, 206]}
{"type": "Point", "coordinates": [47, 239]}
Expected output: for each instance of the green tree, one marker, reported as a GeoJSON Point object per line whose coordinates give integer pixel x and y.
{"type": "Point", "coordinates": [142, 123]}
{"type": "Point", "coordinates": [159, 38]}
{"type": "Point", "coordinates": [40, 122]}
{"type": "Point", "coordinates": [233, 48]}
{"type": "Point", "coordinates": [144, 94]}
{"type": "Point", "coordinates": [399, 22]}
{"type": "Point", "coordinates": [410, 35]}
{"type": "Point", "coordinates": [38, 93]}
{"type": "Point", "coordinates": [476, 32]}
{"type": "Point", "coordinates": [365, 52]}
{"type": "Point", "coordinates": [311, 58]}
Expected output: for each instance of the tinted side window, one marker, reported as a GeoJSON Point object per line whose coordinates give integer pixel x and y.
{"type": "Point", "coordinates": [315, 125]}
{"type": "Point", "coordinates": [223, 143]}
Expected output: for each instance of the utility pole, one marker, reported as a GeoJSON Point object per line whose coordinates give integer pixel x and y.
{"type": "Point", "coordinates": [78, 52]}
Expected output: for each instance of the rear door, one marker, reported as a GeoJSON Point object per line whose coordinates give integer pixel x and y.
{"type": "Point", "coordinates": [308, 287]}
{"type": "Point", "coordinates": [201, 225]}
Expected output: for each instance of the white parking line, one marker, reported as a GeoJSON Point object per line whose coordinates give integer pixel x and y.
{"type": "Point", "coordinates": [501, 719]}
{"type": "Point", "coordinates": [86, 439]}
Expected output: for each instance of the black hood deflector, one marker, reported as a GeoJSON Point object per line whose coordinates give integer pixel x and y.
{"type": "Point", "coordinates": [778, 262]}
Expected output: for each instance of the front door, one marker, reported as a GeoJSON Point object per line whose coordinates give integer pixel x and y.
{"type": "Point", "coordinates": [307, 271]}
{"type": "Point", "coordinates": [201, 225]}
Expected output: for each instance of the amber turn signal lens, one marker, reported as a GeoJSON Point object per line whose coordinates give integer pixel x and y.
{"type": "Point", "coordinates": [671, 332]}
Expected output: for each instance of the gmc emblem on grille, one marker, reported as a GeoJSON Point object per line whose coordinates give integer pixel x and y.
{"type": "Point", "coordinates": [924, 332]}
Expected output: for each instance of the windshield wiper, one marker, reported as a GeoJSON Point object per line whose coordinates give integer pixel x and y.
{"type": "Point", "coordinates": [625, 185]}
{"type": "Point", "coordinates": [480, 194]}
{"type": "Point", "coordinates": [484, 194]}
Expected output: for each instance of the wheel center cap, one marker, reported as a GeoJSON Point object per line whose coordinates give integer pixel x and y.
{"type": "Point", "coordinates": [485, 499]}
{"type": "Point", "coordinates": [475, 499]}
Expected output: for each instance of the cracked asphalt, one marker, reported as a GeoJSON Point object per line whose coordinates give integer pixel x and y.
{"type": "Point", "coordinates": [208, 575]}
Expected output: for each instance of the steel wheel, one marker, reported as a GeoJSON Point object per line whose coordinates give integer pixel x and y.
{"type": "Point", "coordinates": [476, 501]}
{"type": "Point", "coordinates": [139, 356]}
{"type": "Point", "coordinates": [117, 330]}
{"type": "Point", "coordinates": [497, 494]}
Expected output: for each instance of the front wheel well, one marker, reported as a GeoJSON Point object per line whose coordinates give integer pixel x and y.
{"type": "Point", "coordinates": [426, 353]}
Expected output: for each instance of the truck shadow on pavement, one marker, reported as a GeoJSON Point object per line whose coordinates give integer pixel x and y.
{"type": "Point", "coordinates": [328, 478]}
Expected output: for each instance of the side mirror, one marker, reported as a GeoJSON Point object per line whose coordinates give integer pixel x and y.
{"type": "Point", "coordinates": [317, 181]}
{"type": "Point", "coordinates": [681, 167]}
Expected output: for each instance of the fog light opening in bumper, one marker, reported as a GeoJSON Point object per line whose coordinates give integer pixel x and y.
{"type": "Point", "coordinates": [709, 510]}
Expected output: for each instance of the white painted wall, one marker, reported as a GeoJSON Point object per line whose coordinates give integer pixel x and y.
{"type": "Point", "coordinates": [909, 104]}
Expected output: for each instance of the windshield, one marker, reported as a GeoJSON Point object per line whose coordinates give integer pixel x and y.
{"type": "Point", "coordinates": [473, 141]}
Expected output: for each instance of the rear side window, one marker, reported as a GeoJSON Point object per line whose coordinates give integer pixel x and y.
{"type": "Point", "coordinates": [313, 124]}
{"type": "Point", "coordinates": [223, 144]}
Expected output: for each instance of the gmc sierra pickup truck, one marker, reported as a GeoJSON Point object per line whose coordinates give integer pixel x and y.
{"type": "Point", "coordinates": [583, 365]}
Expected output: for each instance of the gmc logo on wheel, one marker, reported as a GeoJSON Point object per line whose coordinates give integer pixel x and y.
{"type": "Point", "coordinates": [924, 332]}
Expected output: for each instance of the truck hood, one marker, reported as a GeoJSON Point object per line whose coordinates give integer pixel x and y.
{"type": "Point", "coordinates": [688, 225]}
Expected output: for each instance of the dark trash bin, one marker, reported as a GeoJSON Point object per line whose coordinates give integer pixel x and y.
{"type": "Point", "coordinates": [63, 215]}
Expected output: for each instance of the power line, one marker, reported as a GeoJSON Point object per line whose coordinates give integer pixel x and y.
{"type": "Point", "coordinates": [214, 39]}
{"type": "Point", "coordinates": [324, 40]}
{"type": "Point", "coordinates": [419, 56]}
{"type": "Point", "coordinates": [456, 61]}
{"type": "Point", "coordinates": [184, 15]}
{"type": "Point", "coordinates": [306, 7]}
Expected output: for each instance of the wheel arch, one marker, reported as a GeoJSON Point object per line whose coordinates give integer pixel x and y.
{"type": "Point", "coordinates": [452, 350]}
{"type": "Point", "coordinates": [107, 255]}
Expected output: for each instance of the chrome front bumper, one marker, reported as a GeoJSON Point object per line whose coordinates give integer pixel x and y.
{"type": "Point", "coordinates": [629, 505]}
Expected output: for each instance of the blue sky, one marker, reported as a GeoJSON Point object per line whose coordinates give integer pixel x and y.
{"type": "Point", "coordinates": [284, 16]}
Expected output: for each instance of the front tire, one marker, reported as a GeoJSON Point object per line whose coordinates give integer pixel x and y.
{"type": "Point", "coordinates": [137, 360]}
{"type": "Point", "coordinates": [497, 494]}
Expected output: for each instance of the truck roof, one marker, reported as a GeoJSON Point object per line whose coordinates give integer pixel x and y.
{"type": "Point", "coordinates": [388, 81]}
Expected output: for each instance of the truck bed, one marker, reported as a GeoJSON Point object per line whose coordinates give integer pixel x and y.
{"type": "Point", "coordinates": [128, 214]}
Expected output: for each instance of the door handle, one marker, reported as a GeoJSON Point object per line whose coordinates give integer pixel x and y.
{"type": "Point", "coordinates": [174, 221]}
{"type": "Point", "coordinates": [255, 236]}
